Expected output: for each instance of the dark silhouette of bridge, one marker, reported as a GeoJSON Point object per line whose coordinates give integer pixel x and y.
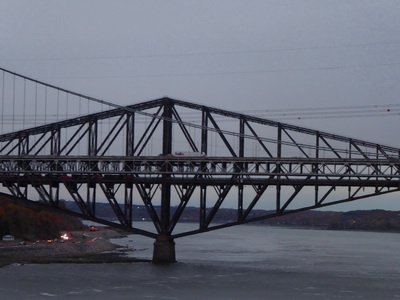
{"type": "Point", "coordinates": [167, 154]}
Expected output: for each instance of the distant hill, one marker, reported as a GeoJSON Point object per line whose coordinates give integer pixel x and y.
{"type": "Point", "coordinates": [372, 220]}
{"type": "Point", "coordinates": [30, 221]}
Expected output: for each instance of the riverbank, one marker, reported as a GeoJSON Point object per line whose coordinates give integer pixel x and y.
{"type": "Point", "coordinates": [83, 247]}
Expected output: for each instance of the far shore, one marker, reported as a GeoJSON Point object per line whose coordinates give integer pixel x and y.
{"type": "Point", "coordinates": [85, 247]}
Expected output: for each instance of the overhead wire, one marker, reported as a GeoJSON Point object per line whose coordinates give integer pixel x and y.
{"type": "Point", "coordinates": [205, 53]}
{"type": "Point", "coordinates": [221, 73]}
{"type": "Point", "coordinates": [289, 114]}
{"type": "Point", "coordinates": [213, 53]}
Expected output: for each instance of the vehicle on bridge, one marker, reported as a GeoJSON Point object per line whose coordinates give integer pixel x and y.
{"type": "Point", "coordinates": [189, 153]}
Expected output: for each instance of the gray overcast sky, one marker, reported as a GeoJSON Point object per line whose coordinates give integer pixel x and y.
{"type": "Point", "coordinates": [236, 55]}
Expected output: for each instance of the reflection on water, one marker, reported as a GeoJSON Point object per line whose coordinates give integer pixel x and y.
{"type": "Point", "coordinates": [285, 248]}
{"type": "Point", "coordinates": [244, 262]}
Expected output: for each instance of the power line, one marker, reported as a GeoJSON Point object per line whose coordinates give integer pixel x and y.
{"type": "Point", "coordinates": [206, 53]}
{"type": "Point", "coordinates": [392, 109]}
{"type": "Point", "coordinates": [8, 119]}
{"type": "Point", "coordinates": [372, 106]}
{"type": "Point", "coordinates": [222, 73]}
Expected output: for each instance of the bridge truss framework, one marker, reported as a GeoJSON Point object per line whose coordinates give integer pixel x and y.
{"type": "Point", "coordinates": [115, 156]}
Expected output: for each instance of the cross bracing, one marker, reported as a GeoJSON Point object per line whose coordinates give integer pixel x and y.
{"type": "Point", "coordinates": [43, 159]}
{"type": "Point", "coordinates": [167, 154]}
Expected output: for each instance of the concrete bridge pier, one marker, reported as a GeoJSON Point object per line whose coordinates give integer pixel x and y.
{"type": "Point", "coordinates": [164, 249]}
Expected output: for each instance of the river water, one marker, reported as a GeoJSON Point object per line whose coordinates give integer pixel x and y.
{"type": "Point", "coordinates": [242, 262]}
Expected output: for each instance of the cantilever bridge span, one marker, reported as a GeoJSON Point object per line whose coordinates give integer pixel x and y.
{"type": "Point", "coordinates": [168, 154]}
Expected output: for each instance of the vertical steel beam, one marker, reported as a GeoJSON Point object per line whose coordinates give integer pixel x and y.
{"type": "Point", "coordinates": [128, 202]}
{"type": "Point", "coordinates": [278, 169]}
{"type": "Point", "coordinates": [164, 246]}
{"type": "Point", "coordinates": [203, 209]}
{"type": "Point", "coordinates": [55, 141]}
{"type": "Point", "coordinates": [130, 134]}
{"type": "Point", "coordinates": [92, 142]}
{"type": "Point", "coordinates": [167, 148]}
{"type": "Point", "coordinates": [23, 144]}
{"type": "Point", "coordinates": [92, 151]}
{"type": "Point", "coordinates": [240, 198]}
{"type": "Point", "coordinates": [204, 149]}
{"type": "Point", "coordinates": [349, 166]}
{"type": "Point", "coordinates": [240, 167]}
{"type": "Point", "coordinates": [316, 167]}
{"type": "Point", "coordinates": [241, 137]}
{"type": "Point", "coordinates": [91, 197]}
{"type": "Point", "coordinates": [204, 131]}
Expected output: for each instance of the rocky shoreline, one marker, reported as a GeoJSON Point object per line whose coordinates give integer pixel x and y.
{"type": "Point", "coordinates": [85, 247]}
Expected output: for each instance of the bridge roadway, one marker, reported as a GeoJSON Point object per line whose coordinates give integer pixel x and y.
{"type": "Point", "coordinates": [208, 170]}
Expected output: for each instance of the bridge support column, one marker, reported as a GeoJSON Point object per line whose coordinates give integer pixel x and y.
{"type": "Point", "coordinates": [164, 249]}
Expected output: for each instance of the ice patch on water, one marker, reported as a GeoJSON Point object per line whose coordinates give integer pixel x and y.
{"type": "Point", "coordinates": [345, 291]}
{"type": "Point", "coordinates": [83, 291]}
{"type": "Point", "coordinates": [222, 275]}
{"type": "Point", "coordinates": [74, 293]}
{"type": "Point", "coordinates": [121, 287]}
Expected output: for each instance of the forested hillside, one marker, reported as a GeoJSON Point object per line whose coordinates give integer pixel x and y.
{"type": "Point", "coordinates": [372, 220]}
{"type": "Point", "coordinates": [27, 221]}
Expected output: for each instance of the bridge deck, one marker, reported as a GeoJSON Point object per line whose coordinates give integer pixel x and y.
{"type": "Point", "coordinates": [209, 170]}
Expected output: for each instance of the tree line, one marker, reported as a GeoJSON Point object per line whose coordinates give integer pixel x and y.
{"type": "Point", "coordinates": [372, 220]}
{"type": "Point", "coordinates": [25, 221]}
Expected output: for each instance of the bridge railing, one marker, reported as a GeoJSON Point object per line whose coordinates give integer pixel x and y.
{"type": "Point", "coordinates": [121, 168]}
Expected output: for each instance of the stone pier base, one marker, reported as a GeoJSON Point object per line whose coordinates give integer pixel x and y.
{"type": "Point", "coordinates": [164, 250]}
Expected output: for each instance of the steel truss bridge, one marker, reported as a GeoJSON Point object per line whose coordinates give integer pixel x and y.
{"type": "Point", "coordinates": [125, 156]}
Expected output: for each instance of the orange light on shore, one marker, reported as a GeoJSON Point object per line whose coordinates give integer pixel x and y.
{"type": "Point", "coordinates": [65, 237]}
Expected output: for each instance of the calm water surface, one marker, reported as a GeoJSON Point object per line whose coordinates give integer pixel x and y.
{"type": "Point", "coordinates": [243, 262]}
